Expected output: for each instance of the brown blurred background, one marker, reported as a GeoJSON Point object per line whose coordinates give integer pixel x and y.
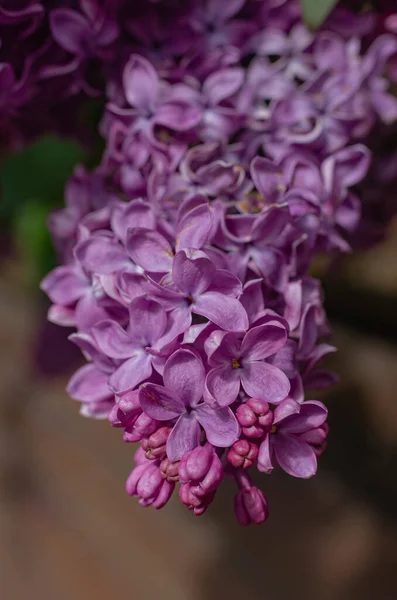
{"type": "Point", "coordinates": [69, 531]}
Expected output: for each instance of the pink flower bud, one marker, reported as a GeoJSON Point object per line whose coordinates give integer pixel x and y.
{"type": "Point", "coordinates": [202, 469]}
{"type": "Point", "coordinates": [243, 454]}
{"type": "Point", "coordinates": [154, 446]}
{"type": "Point", "coordinates": [148, 485]}
{"type": "Point", "coordinates": [250, 506]}
{"type": "Point", "coordinates": [255, 418]}
{"type": "Point", "coordinates": [198, 504]}
{"type": "Point", "coordinates": [125, 412]}
{"type": "Point", "coordinates": [143, 427]}
{"type": "Point", "coordinates": [169, 469]}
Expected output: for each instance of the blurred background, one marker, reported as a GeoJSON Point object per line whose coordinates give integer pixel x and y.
{"type": "Point", "coordinates": [69, 531]}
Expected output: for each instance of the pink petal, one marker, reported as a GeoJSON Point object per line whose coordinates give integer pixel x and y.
{"type": "Point", "coordinates": [159, 403]}
{"type": "Point", "coordinates": [312, 415]}
{"type": "Point", "coordinates": [263, 341]}
{"type": "Point", "coordinates": [141, 83]}
{"type": "Point", "coordinates": [184, 375]}
{"type": "Point", "coordinates": [226, 283]}
{"type": "Point", "coordinates": [223, 383]}
{"type": "Point", "coordinates": [89, 312]}
{"type": "Point", "coordinates": [221, 347]}
{"type": "Point", "coordinates": [296, 457]}
{"type": "Point", "coordinates": [228, 313]}
{"type": "Point", "coordinates": [134, 214]}
{"type": "Point", "coordinates": [149, 250]}
{"type": "Point", "coordinates": [192, 272]}
{"type": "Point", "coordinates": [263, 381]}
{"type": "Point", "coordinates": [286, 408]}
{"type": "Point", "coordinates": [131, 373]}
{"type": "Point", "coordinates": [220, 425]}
{"type": "Point", "coordinates": [184, 437]}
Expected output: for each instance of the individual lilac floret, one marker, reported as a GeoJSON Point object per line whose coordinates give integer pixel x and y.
{"type": "Point", "coordinates": [137, 347]}
{"type": "Point", "coordinates": [200, 473]}
{"type": "Point", "coordinates": [179, 398]}
{"type": "Point", "coordinates": [250, 504]}
{"type": "Point", "coordinates": [154, 446]}
{"type": "Point", "coordinates": [147, 483]}
{"type": "Point", "coordinates": [289, 441]}
{"type": "Point", "coordinates": [242, 361]}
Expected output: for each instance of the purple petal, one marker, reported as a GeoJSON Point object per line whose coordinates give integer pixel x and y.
{"type": "Point", "coordinates": [141, 83]}
{"type": "Point", "coordinates": [149, 250]}
{"type": "Point", "coordinates": [265, 464]}
{"type": "Point", "coordinates": [287, 408]}
{"type": "Point", "coordinates": [70, 29]}
{"type": "Point", "coordinates": [89, 312]}
{"type": "Point", "coordinates": [221, 347]}
{"type": "Point", "coordinates": [194, 228]}
{"type": "Point", "coordinates": [88, 384]}
{"type": "Point", "coordinates": [268, 178]}
{"type": "Point", "coordinates": [226, 283]}
{"type": "Point", "coordinates": [148, 320]}
{"type": "Point", "coordinates": [263, 341]}
{"type": "Point", "coordinates": [101, 254]}
{"type": "Point", "coordinates": [220, 425]}
{"type": "Point", "coordinates": [192, 272]}
{"type": "Point", "coordinates": [113, 341]}
{"type": "Point", "coordinates": [178, 115]}
{"type": "Point", "coordinates": [263, 381]}
{"type": "Point", "coordinates": [134, 214]}
{"type": "Point", "coordinates": [252, 299]}
{"type": "Point", "coordinates": [65, 285]}
{"type": "Point", "coordinates": [312, 414]}
{"type": "Point", "coordinates": [296, 457]}
{"type": "Point", "coordinates": [184, 437]}
{"type": "Point", "coordinates": [269, 225]}
{"type": "Point", "coordinates": [159, 403]}
{"type": "Point", "coordinates": [227, 313]}
{"type": "Point", "coordinates": [184, 375]}
{"type": "Point", "coordinates": [61, 315]}
{"type": "Point", "coordinates": [222, 84]}
{"type": "Point", "coordinates": [131, 373]}
{"type": "Point", "coordinates": [223, 384]}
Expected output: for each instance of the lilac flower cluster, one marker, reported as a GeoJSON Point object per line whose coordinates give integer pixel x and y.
{"type": "Point", "coordinates": [235, 143]}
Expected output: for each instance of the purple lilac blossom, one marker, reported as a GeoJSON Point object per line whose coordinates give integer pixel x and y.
{"type": "Point", "coordinates": [237, 145]}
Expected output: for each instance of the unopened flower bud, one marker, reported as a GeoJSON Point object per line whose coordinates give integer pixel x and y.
{"type": "Point", "coordinates": [154, 445]}
{"type": "Point", "coordinates": [169, 469]}
{"type": "Point", "coordinates": [255, 418]}
{"type": "Point", "coordinates": [148, 485]}
{"type": "Point", "coordinates": [242, 454]}
{"type": "Point", "coordinates": [250, 506]}
{"type": "Point", "coordinates": [143, 427]}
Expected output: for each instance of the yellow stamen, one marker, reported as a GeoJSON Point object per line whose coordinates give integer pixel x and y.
{"type": "Point", "coordinates": [235, 363]}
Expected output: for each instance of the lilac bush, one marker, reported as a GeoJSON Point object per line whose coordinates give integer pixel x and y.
{"type": "Point", "coordinates": [237, 144]}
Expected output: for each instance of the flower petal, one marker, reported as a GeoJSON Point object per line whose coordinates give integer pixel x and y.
{"type": "Point", "coordinates": [194, 228]}
{"type": "Point", "coordinates": [134, 214]}
{"type": "Point", "coordinates": [70, 29]}
{"type": "Point", "coordinates": [159, 403]}
{"type": "Point", "coordinates": [296, 457]}
{"type": "Point", "coordinates": [101, 254]}
{"type": "Point", "coordinates": [131, 373]}
{"type": "Point", "coordinates": [223, 384]}
{"type": "Point", "coordinates": [65, 285]}
{"type": "Point", "coordinates": [312, 415]}
{"type": "Point", "coordinates": [220, 425]}
{"type": "Point", "coordinates": [263, 381]}
{"type": "Point", "coordinates": [178, 115]}
{"type": "Point", "coordinates": [149, 250]}
{"type": "Point", "coordinates": [265, 464]}
{"type": "Point", "coordinates": [148, 320]}
{"type": "Point", "coordinates": [88, 384]}
{"type": "Point", "coordinates": [184, 375]}
{"type": "Point", "coordinates": [141, 83]}
{"type": "Point", "coordinates": [222, 84]}
{"type": "Point", "coordinates": [263, 341]}
{"type": "Point", "coordinates": [113, 341]}
{"type": "Point", "coordinates": [192, 272]}
{"type": "Point", "coordinates": [228, 313]}
{"type": "Point", "coordinates": [184, 437]}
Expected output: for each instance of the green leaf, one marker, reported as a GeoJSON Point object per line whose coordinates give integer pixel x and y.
{"type": "Point", "coordinates": [39, 171]}
{"type": "Point", "coordinates": [33, 241]}
{"type": "Point", "coordinates": [316, 11]}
